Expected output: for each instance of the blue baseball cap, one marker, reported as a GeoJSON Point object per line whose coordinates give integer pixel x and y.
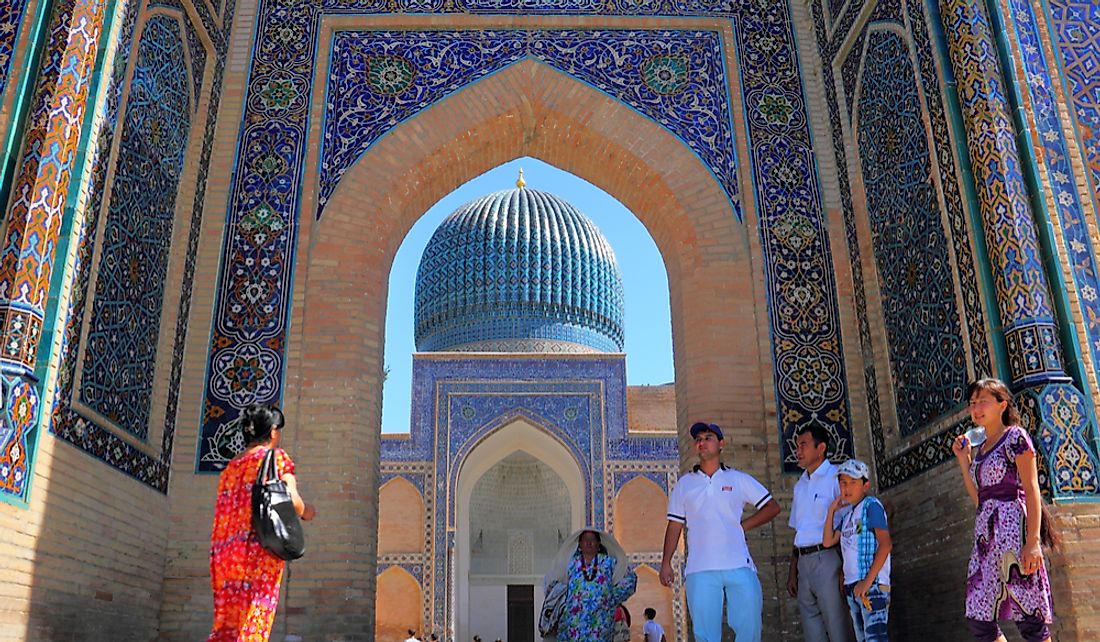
{"type": "Point", "coordinates": [700, 426]}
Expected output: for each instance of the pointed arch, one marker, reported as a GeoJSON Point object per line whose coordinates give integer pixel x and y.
{"type": "Point", "coordinates": [518, 435]}
{"type": "Point", "coordinates": [651, 593]}
{"type": "Point", "coordinates": [640, 510]}
{"type": "Point", "coordinates": [397, 604]}
{"type": "Point", "coordinates": [401, 518]}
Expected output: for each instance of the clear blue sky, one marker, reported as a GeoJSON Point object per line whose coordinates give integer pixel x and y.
{"type": "Point", "coordinates": [647, 324]}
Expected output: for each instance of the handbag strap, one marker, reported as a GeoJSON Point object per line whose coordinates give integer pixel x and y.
{"type": "Point", "coordinates": [267, 468]}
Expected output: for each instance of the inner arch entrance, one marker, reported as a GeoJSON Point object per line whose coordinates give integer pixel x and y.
{"type": "Point", "coordinates": [719, 314]}
{"type": "Point", "coordinates": [520, 492]}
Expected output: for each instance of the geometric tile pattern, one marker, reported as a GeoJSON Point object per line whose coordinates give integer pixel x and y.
{"type": "Point", "coordinates": [381, 78]}
{"type": "Point", "coordinates": [1047, 118]}
{"type": "Point", "coordinates": [1023, 295]}
{"type": "Point", "coordinates": [518, 264]}
{"type": "Point", "coordinates": [38, 194]}
{"type": "Point", "coordinates": [33, 220]}
{"type": "Point", "coordinates": [120, 350]}
{"type": "Point", "coordinates": [11, 17]}
{"type": "Point", "coordinates": [1065, 429]}
{"type": "Point", "coordinates": [96, 440]}
{"type": "Point", "coordinates": [197, 53]}
{"type": "Point", "coordinates": [1061, 423]}
{"type": "Point", "coordinates": [537, 7]}
{"type": "Point", "coordinates": [915, 273]}
{"type": "Point", "coordinates": [1076, 26]}
{"type": "Point", "coordinates": [246, 359]}
{"type": "Point", "coordinates": [832, 45]}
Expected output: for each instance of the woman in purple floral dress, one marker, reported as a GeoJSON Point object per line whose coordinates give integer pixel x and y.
{"type": "Point", "coordinates": [1006, 578]}
{"type": "Point", "coordinates": [597, 580]}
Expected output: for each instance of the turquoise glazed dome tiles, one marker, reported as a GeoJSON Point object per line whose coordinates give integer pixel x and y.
{"type": "Point", "coordinates": [516, 265]}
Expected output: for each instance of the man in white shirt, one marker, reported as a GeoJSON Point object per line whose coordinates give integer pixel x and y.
{"type": "Point", "coordinates": [814, 575]}
{"type": "Point", "coordinates": [412, 637]}
{"type": "Point", "coordinates": [710, 502]}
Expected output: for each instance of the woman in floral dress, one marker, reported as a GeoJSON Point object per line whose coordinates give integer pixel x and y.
{"type": "Point", "coordinates": [596, 580]}
{"type": "Point", "coordinates": [244, 575]}
{"type": "Point", "coordinates": [1006, 578]}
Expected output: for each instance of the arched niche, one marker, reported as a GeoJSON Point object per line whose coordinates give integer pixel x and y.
{"type": "Point", "coordinates": [397, 605]}
{"type": "Point", "coordinates": [640, 516]}
{"type": "Point", "coordinates": [650, 593]}
{"type": "Point", "coordinates": [401, 526]}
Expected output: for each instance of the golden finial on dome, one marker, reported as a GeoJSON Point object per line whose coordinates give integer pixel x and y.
{"type": "Point", "coordinates": [520, 183]}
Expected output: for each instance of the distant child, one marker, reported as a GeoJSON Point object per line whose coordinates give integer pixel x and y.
{"type": "Point", "coordinates": [858, 521]}
{"type": "Point", "coordinates": [652, 631]}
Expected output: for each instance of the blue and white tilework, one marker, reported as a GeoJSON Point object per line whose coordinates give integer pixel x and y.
{"type": "Point", "coordinates": [914, 63]}
{"type": "Point", "coordinates": [246, 360]}
{"type": "Point", "coordinates": [124, 329]}
{"type": "Point", "coordinates": [378, 79]}
{"type": "Point", "coordinates": [89, 434]}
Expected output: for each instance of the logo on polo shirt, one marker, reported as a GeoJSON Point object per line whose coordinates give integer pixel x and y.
{"type": "Point", "coordinates": [727, 489]}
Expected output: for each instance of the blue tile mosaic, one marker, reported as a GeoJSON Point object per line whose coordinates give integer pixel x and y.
{"type": "Point", "coordinates": [916, 278]}
{"type": "Point", "coordinates": [246, 359]}
{"type": "Point", "coordinates": [379, 79]}
{"type": "Point", "coordinates": [65, 423]}
{"type": "Point", "coordinates": [896, 468]}
{"type": "Point", "coordinates": [1071, 212]}
{"type": "Point", "coordinates": [1076, 29]}
{"type": "Point", "coordinates": [11, 20]}
{"type": "Point", "coordinates": [124, 329]}
{"type": "Point", "coordinates": [535, 7]}
{"type": "Point", "coordinates": [581, 401]}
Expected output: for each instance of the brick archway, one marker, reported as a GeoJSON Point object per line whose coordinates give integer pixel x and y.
{"type": "Point", "coordinates": [719, 315]}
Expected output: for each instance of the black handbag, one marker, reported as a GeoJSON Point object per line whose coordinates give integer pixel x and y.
{"type": "Point", "coordinates": [274, 519]}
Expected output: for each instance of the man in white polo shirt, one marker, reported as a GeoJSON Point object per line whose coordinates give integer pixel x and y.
{"type": "Point", "coordinates": [814, 576]}
{"type": "Point", "coordinates": [710, 501]}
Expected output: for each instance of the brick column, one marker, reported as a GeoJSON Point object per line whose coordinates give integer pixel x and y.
{"type": "Point", "coordinates": [1055, 411]}
{"type": "Point", "coordinates": [33, 219]}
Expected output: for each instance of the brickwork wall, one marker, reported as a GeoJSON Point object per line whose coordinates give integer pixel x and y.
{"type": "Point", "coordinates": [721, 349]}
{"type": "Point", "coordinates": [186, 610]}
{"type": "Point", "coordinates": [85, 560]}
{"type": "Point", "coordinates": [651, 408]}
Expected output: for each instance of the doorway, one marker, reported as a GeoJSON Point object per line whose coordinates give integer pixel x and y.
{"type": "Point", "coordinates": [521, 613]}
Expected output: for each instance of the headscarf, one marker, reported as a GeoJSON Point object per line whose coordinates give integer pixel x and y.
{"type": "Point", "coordinates": [559, 567]}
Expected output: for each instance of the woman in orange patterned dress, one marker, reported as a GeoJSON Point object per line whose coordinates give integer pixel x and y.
{"type": "Point", "coordinates": [244, 575]}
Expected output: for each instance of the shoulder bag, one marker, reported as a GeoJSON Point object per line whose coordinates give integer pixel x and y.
{"type": "Point", "coordinates": [274, 519]}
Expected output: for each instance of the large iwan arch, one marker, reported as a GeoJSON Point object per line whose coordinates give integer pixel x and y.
{"type": "Point", "coordinates": [527, 109]}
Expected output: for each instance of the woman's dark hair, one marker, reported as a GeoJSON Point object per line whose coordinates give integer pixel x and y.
{"type": "Point", "coordinates": [1000, 392]}
{"type": "Point", "coordinates": [258, 421]}
{"type": "Point", "coordinates": [1049, 533]}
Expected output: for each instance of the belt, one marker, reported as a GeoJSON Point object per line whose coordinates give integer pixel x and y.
{"type": "Point", "coordinates": [810, 550]}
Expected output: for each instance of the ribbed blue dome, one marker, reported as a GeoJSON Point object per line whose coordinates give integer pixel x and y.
{"type": "Point", "coordinates": [518, 271]}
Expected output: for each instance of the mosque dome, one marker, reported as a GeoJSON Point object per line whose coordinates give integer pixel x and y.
{"type": "Point", "coordinates": [518, 271]}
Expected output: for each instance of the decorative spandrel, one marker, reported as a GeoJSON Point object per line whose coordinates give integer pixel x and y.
{"type": "Point", "coordinates": [252, 308]}
{"type": "Point", "coordinates": [378, 79]}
